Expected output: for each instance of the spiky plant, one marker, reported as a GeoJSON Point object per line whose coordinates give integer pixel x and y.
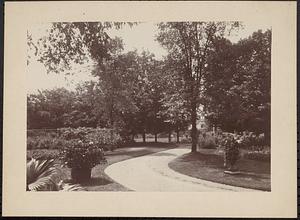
{"type": "Point", "coordinates": [69, 187]}
{"type": "Point", "coordinates": [40, 177]}
{"type": "Point", "coordinates": [40, 174]}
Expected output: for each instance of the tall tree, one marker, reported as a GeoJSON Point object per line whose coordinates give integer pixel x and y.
{"type": "Point", "coordinates": [189, 44]}
{"type": "Point", "coordinates": [116, 77]}
{"type": "Point", "coordinates": [174, 105]}
{"type": "Point", "coordinates": [238, 84]}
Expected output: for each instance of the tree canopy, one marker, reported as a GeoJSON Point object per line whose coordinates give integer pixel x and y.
{"type": "Point", "coordinates": [138, 94]}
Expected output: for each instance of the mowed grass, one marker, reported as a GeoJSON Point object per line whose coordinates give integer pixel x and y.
{"type": "Point", "coordinates": [100, 181]}
{"type": "Point", "coordinates": [208, 164]}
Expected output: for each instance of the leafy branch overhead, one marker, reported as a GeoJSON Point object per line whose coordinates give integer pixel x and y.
{"type": "Point", "coordinates": [67, 43]}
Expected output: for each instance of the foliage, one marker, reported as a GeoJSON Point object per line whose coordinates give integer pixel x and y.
{"type": "Point", "coordinates": [101, 137]}
{"type": "Point", "coordinates": [75, 133]}
{"type": "Point", "coordinates": [114, 89]}
{"type": "Point", "coordinates": [42, 154]}
{"type": "Point", "coordinates": [85, 111]}
{"type": "Point", "coordinates": [238, 84]}
{"type": "Point", "coordinates": [67, 43]}
{"type": "Point", "coordinates": [232, 152]}
{"type": "Point", "coordinates": [207, 140]}
{"type": "Point", "coordinates": [252, 141]}
{"type": "Point", "coordinates": [82, 154]}
{"type": "Point", "coordinates": [135, 93]}
{"type": "Point", "coordinates": [47, 108]}
{"type": "Point", "coordinates": [261, 155]}
{"type": "Point", "coordinates": [189, 44]}
{"type": "Point", "coordinates": [107, 139]}
{"type": "Point", "coordinates": [45, 142]}
{"type": "Point", "coordinates": [40, 177]}
{"type": "Point", "coordinates": [40, 174]}
{"type": "Point", "coordinates": [66, 187]}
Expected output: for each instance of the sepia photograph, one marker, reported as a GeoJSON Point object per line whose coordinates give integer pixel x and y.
{"type": "Point", "coordinates": [150, 109]}
{"type": "Point", "coordinates": [141, 106]}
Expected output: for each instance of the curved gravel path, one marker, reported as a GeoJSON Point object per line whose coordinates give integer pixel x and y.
{"type": "Point", "coordinates": [151, 173]}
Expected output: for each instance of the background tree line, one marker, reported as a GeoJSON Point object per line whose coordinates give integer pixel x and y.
{"type": "Point", "coordinates": [138, 94]}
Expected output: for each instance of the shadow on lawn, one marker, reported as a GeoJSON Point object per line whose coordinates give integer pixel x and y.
{"type": "Point", "coordinates": [149, 144]}
{"type": "Point", "coordinates": [97, 181]}
{"type": "Point", "coordinates": [249, 168]}
{"type": "Point", "coordinates": [163, 154]}
{"type": "Point", "coordinates": [208, 159]}
{"type": "Point", "coordinates": [94, 181]}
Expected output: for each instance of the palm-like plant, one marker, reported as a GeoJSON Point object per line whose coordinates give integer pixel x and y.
{"type": "Point", "coordinates": [69, 187]}
{"type": "Point", "coordinates": [40, 177]}
{"type": "Point", "coordinates": [40, 174]}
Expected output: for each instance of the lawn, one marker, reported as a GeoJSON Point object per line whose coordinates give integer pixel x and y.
{"type": "Point", "coordinates": [100, 181]}
{"type": "Point", "coordinates": [207, 164]}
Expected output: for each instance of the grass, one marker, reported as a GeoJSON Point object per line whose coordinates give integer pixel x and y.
{"type": "Point", "coordinates": [100, 181]}
{"type": "Point", "coordinates": [207, 164]}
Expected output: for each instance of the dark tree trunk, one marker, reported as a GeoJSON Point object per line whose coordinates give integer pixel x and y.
{"type": "Point", "coordinates": [169, 136]}
{"type": "Point", "coordinates": [194, 128]}
{"type": "Point", "coordinates": [177, 134]}
{"type": "Point", "coordinates": [155, 137]}
{"type": "Point", "coordinates": [144, 136]}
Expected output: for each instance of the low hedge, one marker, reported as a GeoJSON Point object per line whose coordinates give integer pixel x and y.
{"type": "Point", "coordinates": [42, 154]}
{"type": "Point", "coordinates": [108, 139]}
{"type": "Point", "coordinates": [258, 155]}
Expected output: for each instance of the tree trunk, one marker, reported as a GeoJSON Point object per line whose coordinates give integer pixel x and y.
{"type": "Point", "coordinates": [144, 136]}
{"type": "Point", "coordinates": [177, 134]}
{"type": "Point", "coordinates": [155, 137]}
{"type": "Point", "coordinates": [194, 127]}
{"type": "Point", "coordinates": [169, 136]}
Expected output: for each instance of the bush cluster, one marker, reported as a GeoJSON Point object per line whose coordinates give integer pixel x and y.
{"type": "Point", "coordinates": [251, 141]}
{"type": "Point", "coordinates": [263, 155]}
{"type": "Point", "coordinates": [207, 140]}
{"type": "Point", "coordinates": [82, 155]}
{"type": "Point", "coordinates": [107, 139]}
{"type": "Point", "coordinates": [42, 154]}
{"type": "Point", "coordinates": [45, 142]}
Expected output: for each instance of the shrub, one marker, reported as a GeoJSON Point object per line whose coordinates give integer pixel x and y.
{"type": "Point", "coordinates": [258, 155]}
{"type": "Point", "coordinates": [45, 142]}
{"type": "Point", "coordinates": [42, 154]}
{"type": "Point", "coordinates": [107, 139]}
{"type": "Point", "coordinates": [74, 133]}
{"type": "Point", "coordinates": [207, 140]}
{"type": "Point", "coordinates": [252, 141]}
{"type": "Point", "coordinates": [81, 157]}
{"type": "Point", "coordinates": [82, 154]}
{"type": "Point", "coordinates": [32, 143]}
